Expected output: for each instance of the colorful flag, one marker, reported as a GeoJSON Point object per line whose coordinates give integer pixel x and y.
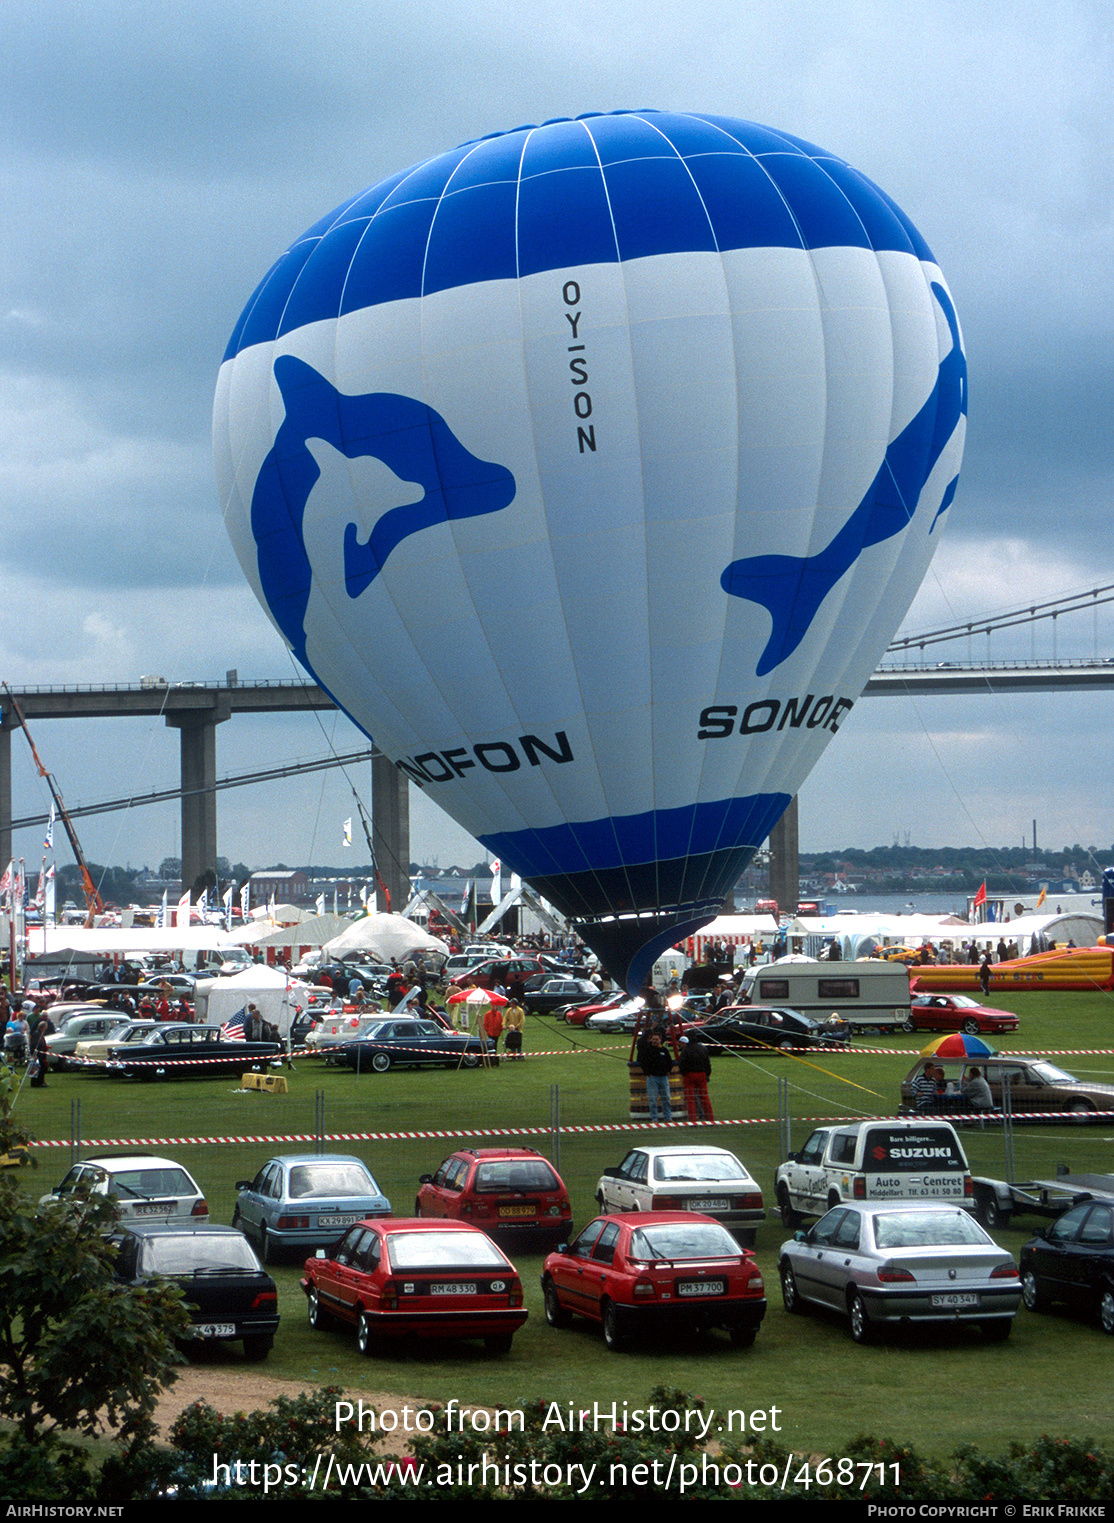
{"type": "Point", "coordinates": [496, 881]}
{"type": "Point", "coordinates": [48, 844]}
{"type": "Point", "coordinates": [183, 910]}
{"type": "Point", "coordinates": [245, 898]}
{"type": "Point", "coordinates": [1042, 897]}
{"type": "Point", "coordinates": [980, 897]}
{"type": "Point", "coordinates": [233, 1029]}
{"type": "Point", "coordinates": [348, 831]}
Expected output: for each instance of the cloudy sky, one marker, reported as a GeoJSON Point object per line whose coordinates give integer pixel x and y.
{"type": "Point", "coordinates": [157, 158]}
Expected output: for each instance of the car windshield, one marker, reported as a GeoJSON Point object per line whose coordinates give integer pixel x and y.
{"type": "Point", "coordinates": [199, 1253]}
{"type": "Point", "coordinates": [699, 1166]}
{"type": "Point", "coordinates": [506, 1174]}
{"type": "Point", "coordinates": [321, 1179]}
{"type": "Point", "coordinates": [683, 1240]}
{"type": "Point", "coordinates": [147, 1182]}
{"type": "Point", "coordinates": [927, 1229]}
{"type": "Point", "coordinates": [1051, 1074]}
{"type": "Point", "coordinates": [443, 1250]}
{"type": "Point", "coordinates": [964, 1002]}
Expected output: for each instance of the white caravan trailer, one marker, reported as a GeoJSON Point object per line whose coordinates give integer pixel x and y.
{"type": "Point", "coordinates": [867, 994]}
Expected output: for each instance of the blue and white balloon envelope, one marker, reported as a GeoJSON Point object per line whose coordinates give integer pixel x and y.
{"type": "Point", "coordinates": [591, 467]}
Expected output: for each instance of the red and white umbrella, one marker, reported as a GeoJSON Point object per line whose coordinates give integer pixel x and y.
{"type": "Point", "coordinates": [477, 997]}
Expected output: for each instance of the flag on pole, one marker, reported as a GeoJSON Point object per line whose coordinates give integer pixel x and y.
{"type": "Point", "coordinates": [980, 897]}
{"type": "Point", "coordinates": [48, 901]}
{"type": "Point", "coordinates": [48, 844]}
{"type": "Point", "coordinates": [321, 904]}
{"type": "Point", "coordinates": [6, 885]}
{"type": "Point", "coordinates": [162, 920]}
{"type": "Point", "coordinates": [227, 902]}
{"type": "Point", "coordinates": [1042, 897]}
{"type": "Point", "coordinates": [233, 1029]}
{"type": "Point", "coordinates": [348, 831]}
{"type": "Point", "coordinates": [183, 910]}
{"type": "Point", "coordinates": [40, 891]}
{"type": "Point", "coordinates": [496, 881]}
{"type": "Point", "coordinates": [245, 898]}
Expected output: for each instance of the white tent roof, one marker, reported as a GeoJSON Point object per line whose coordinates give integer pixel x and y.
{"type": "Point", "coordinates": [739, 925]}
{"type": "Point", "coordinates": [314, 932]}
{"type": "Point", "coordinates": [387, 936]}
{"type": "Point", "coordinates": [193, 938]}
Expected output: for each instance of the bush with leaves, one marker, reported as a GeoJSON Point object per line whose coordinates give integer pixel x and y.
{"type": "Point", "coordinates": [78, 1350]}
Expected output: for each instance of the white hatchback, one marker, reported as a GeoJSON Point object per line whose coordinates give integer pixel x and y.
{"type": "Point", "coordinates": [145, 1188]}
{"type": "Point", "coordinates": [686, 1178]}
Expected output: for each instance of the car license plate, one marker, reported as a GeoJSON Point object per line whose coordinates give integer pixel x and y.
{"type": "Point", "coordinates": [153, 1210]}
{"type": "Point", "coordinates": [453, 1288]}
{"type": "Point", "coordinates": [214, 1330]}
{"type": "Point", "coordinates": [716, 1203]}
{"type": "Point", "coordinates": [516, 1211]}
{"type": "Point", "coordinates": [956, 1299]}
{"type": "Point", "coordinates": [338, 1221]}
{"type": "Point", "coordinates": [701, 1287]}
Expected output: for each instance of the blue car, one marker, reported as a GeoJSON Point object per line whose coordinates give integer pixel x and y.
{"type": "Point", "coordinates": [306, 1201]}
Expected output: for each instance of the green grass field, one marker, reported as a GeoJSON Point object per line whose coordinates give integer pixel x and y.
{"type": "Point", "coordinates": [938, 1391]}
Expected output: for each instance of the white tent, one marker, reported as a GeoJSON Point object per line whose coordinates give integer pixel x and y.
{"type": "Point", "coordinates": [385, 936]}
{"type": "Point", "coordinates": [314, 932]}
{"type": "Point", "coordinates": [278, 997]}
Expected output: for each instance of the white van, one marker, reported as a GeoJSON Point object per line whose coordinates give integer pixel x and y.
{"type": "Point", "coordinates": [669, 966]}
{"type": "Point", "coordinates": [866, 994]}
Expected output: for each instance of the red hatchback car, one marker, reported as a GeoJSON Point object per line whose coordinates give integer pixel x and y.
{"type": "Point", "coordinates": [958, 1012]}
{"type": "Point", "coordinates": [397, 1277]}
{"type": "Point", "coordinates": [501, 1190]}
{"type": "Point", "coordinates": [650, 1270]}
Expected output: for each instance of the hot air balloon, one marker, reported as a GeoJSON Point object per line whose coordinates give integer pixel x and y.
{"type": "Point", "coordinates": [590, 467]}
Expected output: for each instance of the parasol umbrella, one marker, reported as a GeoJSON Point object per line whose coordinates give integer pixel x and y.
{"type": "Point", "coordinates": [957, 1044]}
{"type": "Point", "coordinates": [477, 997]}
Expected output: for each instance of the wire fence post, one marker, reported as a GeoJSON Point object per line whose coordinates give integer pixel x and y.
{"type": "Point", "coordinates": [783, 1122]}
{"type": "Point", "coordinates": [319, 1120]}
{"type": "Point", "coordinates": [555, 1125]}
{"type": "Point", "coordinates": [1007, 1125]}
{"type": "Point", "coordinates": [75, 1130]}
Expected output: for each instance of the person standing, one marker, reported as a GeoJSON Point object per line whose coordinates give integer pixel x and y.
{"type": "Point", "coordinates": [984, 972]}
{"type": "Point", "coordinates": [695, 1064]}
{"type": "Point", "coordinates": [656, 1062]}
{"type": "Point", "coordinates": [493, 1026]}
{"type": "Point", "coordinates": [514, 1020]}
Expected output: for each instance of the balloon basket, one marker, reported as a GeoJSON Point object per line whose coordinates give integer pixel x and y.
{"type": "Point", "coordinates": [639, 1101]}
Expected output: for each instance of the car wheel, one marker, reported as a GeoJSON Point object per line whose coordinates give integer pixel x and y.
{"type": "Point", "coordinates": [1031, 1293]}
{"type": "Point", "coordinates": [789, 1217]}
{"type": "Point", "coordinates": [237, 1221]}
{"type": "Point", "coordinates": [499, 1343]}
{"type": "Point", "coordinates": [381, 1061]}
{"type": "Point", "coordinates": [833, 1199]}
{"type": "Point", "coordinates": [257, 1348]}
{"type": "Point", "coordinates": [268, 1249]}
{"type": "Point", "coordinates": [555, 1314]}
{"type": "Point", "coordinates": [470, 1060]}
{"type": "Point", "coordinates": [614, 1333]}
{"type": "Point", "coordinates": [790, 1295]}
{"type": "Point", "coordinates": [970, 1026]}
{"type": "Point", "coordinates": [599, 1200]}
{"type": "Point", "coordinates": [1106, 1311]}
{"type": "Point", "coordinates": [998, 1330]}
{"type": "Point", "coordinates": [743, 1337]}
{"type": "Point", "coordinates": [318, 1318]}
{"type": "Point", "coordinates": [786, 1044]}
{"type": "Point", "coordinates": [366, 1341]}
{"type": "Point", "coordinates": [417, 1205]}
{"type": "Point", "coordinates": [993, 1214]}
{"type": "Point", "coordinates": [861, 1329]}
{"type": "Point", "coordinates": [1080, 1108]}
{"type": "Point", "coordinates": [908, 1024]}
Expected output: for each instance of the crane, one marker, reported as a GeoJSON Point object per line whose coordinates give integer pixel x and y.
{"type": "Point", "coordinates": [94, 905]}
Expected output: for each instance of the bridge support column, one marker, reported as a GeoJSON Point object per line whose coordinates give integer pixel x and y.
{"type": "Point", "coordinates": [5, 790]}
{"type": "Point", "coordinates": [198, 729]}
{"type": "Point", "coordinates": [785, 875]}
{"type": "Point", "coordinates": [390, 830]}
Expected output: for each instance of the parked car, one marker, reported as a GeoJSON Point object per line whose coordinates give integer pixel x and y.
{"type": "Point", "coordinates": [145, 1187]}
{"type": "Point", "coordinates": [86, 1024]}
{"type": "Point", "coordinates": [874, 1160]}
{"type": "Point", "coordinates": [96, 1049]}
{"type": "Point", "coordinates": [1073, 1260]}
{"type": "Point", "coordinates": [622, 1017]}
{"type": "Point", "coordinates": [405, 1042]}
{"type": "Point", "coordinates": [413, 1278]}
{"type": "Point", "coordinates": [748, 1027]}
{"type": "Point", "coordinates": [1035, 1084]}
{"type": "Point", "coordinates": [181, 1051]}
{"type": "Point", "coordinates": [228, 1294]}
{"type": "Point", "coordinates": [688, 1177]}
{"type": "Point", "coordinates": [555, 993]}
{"type": "Point", "coordinates": [894, 1264]}
{"type": "Point", "coordinates": [958, 1012]}
{"type": "Point", "coordinates": [601, 1004]}
{"type": "Point", "coordinates": [655, 1271]}
{"type": "Point", "coordinates": [306, 1200]}
{"type": "Point", "coordinates": [501, 1190]}
{"type": "Point", "coordinates": [338, 1030]}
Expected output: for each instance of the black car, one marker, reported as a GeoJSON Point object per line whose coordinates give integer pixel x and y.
{"type": "Point", "coordinates": [413, 1043]}
{"type": "Point", "coordinates": [173, 1050]}
{"type": "Point", "coordinates": [556, 993]}
{"type": "Point", "coordinates": [228, 1294]}
{"type": "Point", "coordinates": [1073, 1261]}
{"type": "Point", "coordinates": [765, 1027]}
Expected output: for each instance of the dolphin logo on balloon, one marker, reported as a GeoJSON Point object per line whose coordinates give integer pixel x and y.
{"type": "Point", "coordinates": [409, 437]}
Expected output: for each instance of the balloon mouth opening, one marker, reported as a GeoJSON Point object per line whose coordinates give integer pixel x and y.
{"type": "Point", "coordinates": [629, 945]}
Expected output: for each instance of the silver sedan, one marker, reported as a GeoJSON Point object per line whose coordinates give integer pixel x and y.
{"type": "Point", "coordinates": [892, 1264]}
